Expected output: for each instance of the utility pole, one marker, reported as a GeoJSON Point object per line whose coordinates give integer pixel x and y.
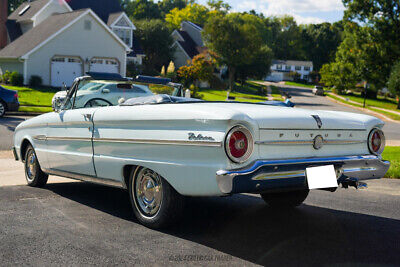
{"type": "Point", "coordinates": [365, 93]}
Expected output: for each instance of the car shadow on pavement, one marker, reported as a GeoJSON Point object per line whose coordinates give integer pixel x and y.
{"type": "Point", "coordinates": [244, 227]}
{"type": "Point", "coordinates": [11, 122]}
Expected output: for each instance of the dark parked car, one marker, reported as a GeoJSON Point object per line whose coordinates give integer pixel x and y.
{"type": "Point", "coordinates": [8, 101]}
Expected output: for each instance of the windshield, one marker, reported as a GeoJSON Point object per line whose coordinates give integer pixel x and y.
{"type": "Point", "coordinates": [90, 86]}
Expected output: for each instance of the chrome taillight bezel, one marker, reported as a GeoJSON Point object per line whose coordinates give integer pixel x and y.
{"type": "Point", "coordinates": [250, 144]}
{"type": "Point", "coordinates": [383, 141]}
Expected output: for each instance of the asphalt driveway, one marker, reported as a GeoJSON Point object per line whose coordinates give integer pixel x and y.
{"type": "Point", "coordinates": [82, 224]}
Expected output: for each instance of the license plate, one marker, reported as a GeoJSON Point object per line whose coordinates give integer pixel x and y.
{"type": "Point", "coordinates": [321, 177]}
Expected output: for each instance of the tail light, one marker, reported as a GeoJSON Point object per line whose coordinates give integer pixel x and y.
{"type": "Point", "coordinates": [376, 141]}
{"type": "Point", "coordinates": [239, 144]}
{"type": "Point", "coordinates": [16, 96]}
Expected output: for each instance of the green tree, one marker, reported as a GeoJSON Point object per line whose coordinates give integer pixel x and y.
{"type": "Point", "coordinates": [195, 13]}
{"type": "Point", "coordinates": [258, 68]}
{"type": "Point", "coordinates": [379, 43]}
{"type": "Point", "coordinates": [142, 9]}
{"type": "Point", "coordinates": [319, 42]}
{"type": "Point", "coordinates": [394, 82]}
{"type": "Point", "coordinates": [236, 38]}
{"type": "Point", "coordinates": [14, 4]}
{"type": "Point", "coordinates": [156, 41]}
{"type": "Point", "coordinates": [166, 6]}
{"type": "Point", "coordinates": [219, 5]}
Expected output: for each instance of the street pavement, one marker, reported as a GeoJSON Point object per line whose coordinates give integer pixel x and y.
{"type": "Point", "coordinates": [86, 224]}
{"type": "Point", "coordinates": [7, 127]}
{"type": "Point", "coordinates": [303, 98]}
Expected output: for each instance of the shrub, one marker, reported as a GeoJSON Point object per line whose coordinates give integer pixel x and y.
{"type": "Point", "coordinates": [133, 69]}
{"type": "Point", "coordinates": [35, 81]}
{"type": "Point", "coordinates": [16, 79]}
{"type": "Point", "coordinates": [6, 77]}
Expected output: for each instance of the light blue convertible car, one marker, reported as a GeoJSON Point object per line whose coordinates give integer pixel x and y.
{"type": "Point", "coordinates": [162, 148]}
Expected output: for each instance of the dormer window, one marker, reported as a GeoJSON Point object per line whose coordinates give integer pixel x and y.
{"type": "Point", "coordinates": [123, 28]}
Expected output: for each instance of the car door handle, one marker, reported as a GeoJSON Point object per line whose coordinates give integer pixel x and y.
{"type": "Point", "coordinates": [87, 116]}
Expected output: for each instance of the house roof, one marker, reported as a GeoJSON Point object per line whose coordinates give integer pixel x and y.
{"type": "Point", "coordinates": [188, 44]}
{"type": "Point", "coordinates": [34, 7]}
{"type": "Point", "coordinates": [13, 29]}
{"type": "Point", "coordinates": [113, 17]}
{"type": "Point", "coordinates": [39, 34]}
{"type": "Point", "coordinates": [293, 63]}
{"type": "Point", "coordinates": [102, 8]}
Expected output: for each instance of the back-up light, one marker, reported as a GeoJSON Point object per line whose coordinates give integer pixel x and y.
{"type": "Point", "coordinates": [239, 144]}
{"type": "Point", "coordinates": [376, 141]}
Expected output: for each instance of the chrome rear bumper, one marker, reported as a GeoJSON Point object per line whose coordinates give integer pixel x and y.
{"type": "Point", "coordinates": [267, 175]}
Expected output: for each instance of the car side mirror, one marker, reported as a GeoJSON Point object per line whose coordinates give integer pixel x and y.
{"type": "Point", "coordinates": [105, 91]}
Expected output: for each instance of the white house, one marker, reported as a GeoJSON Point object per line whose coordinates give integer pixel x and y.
{"type": "Point", "coordinates": [280, 70]}
{"type": "Point", "coordinates": [187, 43]}
{"type": "Point", "coordinates": [59, 40]}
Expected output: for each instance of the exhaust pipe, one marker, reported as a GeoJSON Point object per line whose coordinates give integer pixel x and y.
{"type": "Point", "coordinates": [353, 182]}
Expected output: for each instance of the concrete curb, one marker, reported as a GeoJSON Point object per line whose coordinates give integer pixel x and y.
{"type": "Point", "coordinates": [376, 114]}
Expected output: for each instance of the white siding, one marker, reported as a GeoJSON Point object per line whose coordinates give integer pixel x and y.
{"type": "Point", "coordinates": [11, 65]}
{"type": "Point", "coordinates": [53, 7]}
{"type": "Point", "coordinates": [76, 41]}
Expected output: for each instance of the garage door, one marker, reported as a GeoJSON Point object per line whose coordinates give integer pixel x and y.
{"type": "Point", "coordinates": [104, 65]}
{"type": "Point", "coordinates": [65, 70]}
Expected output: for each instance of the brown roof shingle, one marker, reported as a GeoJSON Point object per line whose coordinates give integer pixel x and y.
{"type": "Point", "coordinates": [38, 34]}
{"type": "Point", "coordinates": [34, 7]}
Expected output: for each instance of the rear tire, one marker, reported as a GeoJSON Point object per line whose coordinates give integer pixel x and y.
{"type": "Point", "coordinates": [3, 108]}
{"type": "Point", "coordinates": [155, 203]}
{"type": "Point", "coordinates": [34, 175]}
{"type": "Point", "coordinates": [289, 199]}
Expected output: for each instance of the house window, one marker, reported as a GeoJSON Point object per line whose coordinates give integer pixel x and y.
{"type": "Point", "coordinates": [305, 77]}
{"type": "Point", "coordinates": [124, 34]}
{"type": "Point", "coordinates": [298, 68]}
{"type": "Point", "coordinates": [88, 25]}
{"type": "Point", "coordinates": [111, 62]}
{"type": "Point", "coordinates": [58, 59]}
{"type": "Point", "coordinates": [96, 61]}
{"type": "Point", "coordinates": [278, 67]}
{"type": "Point", "coordinates": [307, 68]}
{"type": "Point", "coordinates": [288, 67]}
{"type": "Point", "coordinates": [74, 60]}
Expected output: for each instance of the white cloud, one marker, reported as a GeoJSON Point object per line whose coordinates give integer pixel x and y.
{"type": "Point", "coordinates": [295, 8]}
{"type": "Point", "coordinates": [300, 6]}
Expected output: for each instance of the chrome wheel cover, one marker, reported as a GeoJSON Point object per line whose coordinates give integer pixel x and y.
{"type": "Point", "coordinates": [147, 192]}
{"type": "Point", "coordinates": [2, 109]}
{"type": "Point", "coordinates": [31, 166]}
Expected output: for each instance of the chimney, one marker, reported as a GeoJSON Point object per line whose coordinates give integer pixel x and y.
{"type": "Point", "coordinates": [3, 19]}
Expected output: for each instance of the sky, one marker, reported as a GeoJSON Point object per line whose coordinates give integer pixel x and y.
{"type": "Point", "coordinates": [304, 11]}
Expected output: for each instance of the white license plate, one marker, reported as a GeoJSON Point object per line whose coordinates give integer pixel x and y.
{"type": "Point", "coordinates": [321, 177]}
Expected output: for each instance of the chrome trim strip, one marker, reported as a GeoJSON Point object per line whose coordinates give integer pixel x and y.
{"type": "Point", "coordinates": [85, 178]}
{"type": "Point", "coordinates": [32, 126]}
{"type": "Point", "coordinates": [278, 175]}
{"type": "Point", "coordinates": [160, 142]}
{"type": "Point", "coordinates": [40, 137]}
{"type": "Point", "coordinates": [62, 138]}
{"type": "Point", "coordinates": [307, 142]}
{"type": "Point", "coordinates": [298, 129]}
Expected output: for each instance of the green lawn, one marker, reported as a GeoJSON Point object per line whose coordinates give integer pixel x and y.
{"type": "Point", "coordinates": [388, 114]}
{"type": "Point", "coordinates": [248, 92]}
{"type": "Point", "coordinates": [218, 95]}
{"type": "Point", "coordinates": [299, 84]}
{"type": "Point", "coordinates": [381, 102]}
{"type": "Point", "coordinates": [392, 153]}
{"type": "Point", "coordinates": [33, 97]}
